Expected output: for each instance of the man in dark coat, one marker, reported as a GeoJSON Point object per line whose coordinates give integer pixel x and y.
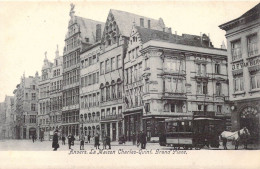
{"type": "Point", "coordinates": [97, 141]}
{"type": "Point", "coordinates": [63, 138]}
{"type": "Point", "coordinates": [134, 138]}
{"type": "Point", "coordinates": [70, 140]}
{"type": "Point", "coordinates": [88, 138]}
{"type": "Point", "coordinates": [33, 138]}
{"type": "Point", "coordinates": [143, 140]}
{"type": "Point", "coordinates": [108, 141]}
{"type": "Point", "coordinates": [55, 141]}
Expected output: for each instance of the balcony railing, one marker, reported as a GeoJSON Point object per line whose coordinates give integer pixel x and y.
{"type": "Point", "coordinates": [111, 117]}
{"type": "Point", "coordinates": [175, 95]}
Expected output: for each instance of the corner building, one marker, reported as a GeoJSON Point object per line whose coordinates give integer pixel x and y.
{"type": "Point", "coordinates": [243, 44]}
{"type": "Point", "coordinates": [81, 32]}
{"type": "Point", "coordinates": [182, 76]}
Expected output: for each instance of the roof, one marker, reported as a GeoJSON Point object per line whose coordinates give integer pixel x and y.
{"type": "Point", "coordinates": [186, 39]}
{"type": "Point", "coordinates": [125, 21]}
{"type": "Point", "coordinates": [87, 28]}
{"type": "Point", "coordinates": [234, 22]}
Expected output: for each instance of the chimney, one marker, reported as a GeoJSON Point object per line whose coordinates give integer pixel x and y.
{"type": "Point", "coordinates": [98, 32]}
{"type": "Point", "coordinates": [149, 24]}
{"type": "Point", "coordinates": [170, 30]}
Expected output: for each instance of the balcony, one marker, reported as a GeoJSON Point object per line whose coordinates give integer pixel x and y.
{"type": "Point", "coordinates": [179, 95]}
{"type": "Point", "coordinates": [204, 113]}
{"type": "Point", "coordinates": [111, 117]}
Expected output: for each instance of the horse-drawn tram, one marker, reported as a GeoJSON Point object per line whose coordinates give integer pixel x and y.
{"type": "Point", "coordinates": [192, 132]}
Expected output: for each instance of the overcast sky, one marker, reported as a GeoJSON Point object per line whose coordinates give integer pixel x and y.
{"type": "Point", "coordinates": [28, 29]}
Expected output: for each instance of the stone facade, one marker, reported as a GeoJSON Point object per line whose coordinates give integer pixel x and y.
{"type": "Point", "coordinates": [89, 91]}
{"type": "Point", "coordinates": [244, 66]}
{"type": "Point", "coordinates": [26, 107]}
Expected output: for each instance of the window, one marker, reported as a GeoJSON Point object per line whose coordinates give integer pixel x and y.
{"type": "Point", "coordinates": [113, 63]}
{"type": "Point", "coordinates": [90, 61]}
{"type": "Point", "coordinates": [201, 69]}
{"type": "Point", "coordinates": [26, 96]}
{"type": "Point", "coordinates": [108, 112]}
{"type": "Point", "coordinates": [119, 90]}
{"type": "Point", "coordinates": [199, 107]}
{"type": "Point", "coordinates": [113, 111]}
{"type": "Point", "coordinates": [218, 89]}
{"type": "Point", "coordinates": [219, 108]}
{"type": "Point", "coordinates": [202, 88]}
{"type": "Point", "coordinates": [205, 88]}
{"type": "Point", "coordinates": [236, 50]}
{"type": "Point", "coordinates": [146, 63]}
{"type": "Point", "coordinates": [107, 92]}
{"type": "Point", "coordinates": [238, 83]}
{"type": "Point", "coordinates": [97, 77]}
{"type": "Point", "coordinates": [217, 68]}
{"type": "Point", "coordinates": [255, 81]}
{"type": "Point", "coordinates": [107, 66]}
{"type": "Point", "coordinates": [94, 78]}
{"type": "Point", "coordinates": [33, 87]}
{"type": "Point", "coordinates": [172, 107]}
{"type": "Point", "coordinates": [252, 47]}
{"type": "Point", "coordinates": [33, 96]}
{"type": "Point", "coordinates": [32, 118]}
{"type": "Point", "coordinates": [32, 107]}
{"type": "Point", "coordinates": [119, 61]}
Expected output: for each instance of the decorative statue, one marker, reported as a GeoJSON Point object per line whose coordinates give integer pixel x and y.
{"type": "Point", "coordinates": [72, 6]}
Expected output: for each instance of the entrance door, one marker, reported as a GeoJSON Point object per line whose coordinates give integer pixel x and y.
{"type": "Point", "coordinates": [114, 131]}
{"type": "Point", "coordinates": [108, 129]}
{"type": "Point", "coordinates": [24, 133]}
{"type": "Point", "coordinates": [250, 119]}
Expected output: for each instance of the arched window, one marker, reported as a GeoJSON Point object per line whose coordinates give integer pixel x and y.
{"type": "Point", "coordinates": [113, 84]}
{"type": "Point", "coordinates": [93, 116]}
{"type": "Point", "coordinates": [102, 92]}
{"type": "Point", "coordinates": [107, 91]}
{"type": "Point", "coordinates": [89, 116]}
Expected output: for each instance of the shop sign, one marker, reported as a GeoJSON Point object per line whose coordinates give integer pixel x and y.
{"type": "Point", "coordinates": [252, 62]}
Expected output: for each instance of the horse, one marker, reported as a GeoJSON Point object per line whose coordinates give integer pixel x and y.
{"type": "Point", "coordinates": [235, 136]}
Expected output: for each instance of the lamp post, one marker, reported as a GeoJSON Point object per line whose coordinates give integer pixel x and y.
{"type": "Point", "coordinates": [81, 122]}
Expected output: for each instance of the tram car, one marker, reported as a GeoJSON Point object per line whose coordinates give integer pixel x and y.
{"type": "Point", "coordinates": [191, 132]}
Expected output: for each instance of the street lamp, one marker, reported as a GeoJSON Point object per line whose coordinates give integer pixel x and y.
{"type": "Point", "coordinates": [81, 121]}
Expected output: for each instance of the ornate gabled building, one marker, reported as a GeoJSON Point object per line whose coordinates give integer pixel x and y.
{"type": "Point", "coordinates": [180, 75]}
{"type": "Point", "coordinates": [243, 45]}
{"type": "Point", "coordinates": [56, 93]}
{"type": "Point", "coordinates": [44, 99]}
{"type": "Point", "coordinates": [81, 33]}
{"type": "Point", "coordinates": [114, 45]}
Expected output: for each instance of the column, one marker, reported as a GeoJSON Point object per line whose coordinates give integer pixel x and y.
{"type": "Point", "coordinates": [111, 131]}
{"type": "Point", "coordinates": [117, 131]}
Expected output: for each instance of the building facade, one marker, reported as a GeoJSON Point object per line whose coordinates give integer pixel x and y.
{"type": "Point", "coordinates": [114, 48]}
{"type": "Point", "coordinates": [56, 80]}
{"type": "Point", "coordinates": [181, 75]}
{"type": "Point", "coordinates": [44, 99]}
{"type": "Point", "coordinates": [26, 107]}
{"type": "Point", "coordinates": [243, 64]}
{"type": "Point", "coordinates": [81, 33]}
{"type": "Point", "coordinates": [89, 91]}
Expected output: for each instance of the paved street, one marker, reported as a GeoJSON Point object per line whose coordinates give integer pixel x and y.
{"type": "Point", "coordinates": [28, 145]}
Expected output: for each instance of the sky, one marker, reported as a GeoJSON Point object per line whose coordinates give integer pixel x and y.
{"type": "Point", "coordinates": [28, 29]}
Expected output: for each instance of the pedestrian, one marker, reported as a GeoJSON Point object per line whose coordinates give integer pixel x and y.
{"type": "Point", "coordinates": [134, 138]}
{"type": "Point", "coordinates": [138, 139]}
{"type": "Point", "coordinates": [224, 140]}
{"type": "Point", "coordinates": [82, 140]}
{"type": "Point", "coordinates": [33, 138]}
{"type": "Point", "coordinates": [108, 142]}
{"type": "Point", "coordinates": [104, 142]}
{"type": "Point", "coordinates": [97, 141]}
{"type": "Point", "coordinates": [70, 140]}
{"type": "Point", "coordinates": [89, 138]}
{"type": "Point", "coordinates": [63, 138]}
{"type": "Point", "coordinates": [143, 140]}
{"type": "Point", "coordinates": [55, 141]}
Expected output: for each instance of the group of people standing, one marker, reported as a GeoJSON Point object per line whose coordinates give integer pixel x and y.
{"type": "Point", "coordinates": [141, 139]}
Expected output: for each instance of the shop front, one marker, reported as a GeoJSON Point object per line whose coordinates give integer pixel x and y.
{"type": "Point", "coordinates": [247, 115]}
